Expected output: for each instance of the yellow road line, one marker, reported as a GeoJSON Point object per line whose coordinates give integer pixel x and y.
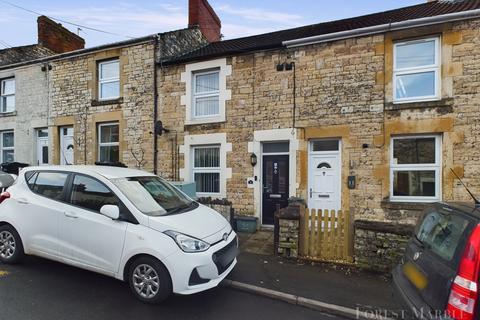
{"type": "Point", "coordinates": [3, 273]}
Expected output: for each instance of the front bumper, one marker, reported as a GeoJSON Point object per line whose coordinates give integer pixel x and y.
{"type": "Point", "coordinates": [182, 264]}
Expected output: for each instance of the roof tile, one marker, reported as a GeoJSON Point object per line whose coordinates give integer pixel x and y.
{"type": "Point", "coordinates": [274, 39]}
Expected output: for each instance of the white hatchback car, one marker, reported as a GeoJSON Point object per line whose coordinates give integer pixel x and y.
{"type": "Point", "coordinates": [124, 223]}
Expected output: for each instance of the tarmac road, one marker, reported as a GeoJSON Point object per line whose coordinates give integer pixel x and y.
{"type": "Point", "coordinates": [39, 289]}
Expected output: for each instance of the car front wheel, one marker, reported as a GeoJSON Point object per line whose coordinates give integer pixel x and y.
{"type": "Point", "coordinates": [149, 280]}
{"type": "Point", "coordinates": [11, 248]}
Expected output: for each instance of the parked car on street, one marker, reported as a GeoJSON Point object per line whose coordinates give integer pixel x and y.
{"type": "Point", "coordinates": [6, 180]}
{"type": "Point", "coordinates": [124, 223]}
{"type": "Point", "coordinates": [439, 276]}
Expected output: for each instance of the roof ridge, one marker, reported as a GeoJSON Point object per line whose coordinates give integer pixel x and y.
{"type": "Point", "coordinates": [336, 21]}
{"type": "Point", "coordinates": [275, 39]}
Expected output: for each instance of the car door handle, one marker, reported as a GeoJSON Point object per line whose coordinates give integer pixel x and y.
{"type": "Point", "coordinates": [71, 215]}
{"type": "Point", "coordinates": [22, 201]}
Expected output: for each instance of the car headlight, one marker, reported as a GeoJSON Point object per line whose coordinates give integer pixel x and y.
{"type": "Point", "coordinates": [187, 243]}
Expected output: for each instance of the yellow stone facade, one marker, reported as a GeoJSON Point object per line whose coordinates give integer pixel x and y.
{"type": "Point", "coordinates": [344, 90]}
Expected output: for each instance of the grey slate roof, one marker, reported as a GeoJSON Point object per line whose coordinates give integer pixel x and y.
{"type": "Point", "coordinates": [23, 53]}
{"type": "Point", "coordinates": [274, 40]}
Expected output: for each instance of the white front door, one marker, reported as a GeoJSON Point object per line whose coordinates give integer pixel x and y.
{"type": "Point", "coordinates": [324, 191]}
{"type": "Point", "coordinates": [66, 145]}
{"type": "Point", "coordinates": [42, 147]}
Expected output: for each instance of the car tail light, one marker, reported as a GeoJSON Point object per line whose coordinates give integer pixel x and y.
{"type": "Point", "coordinates": [4, 195]}
{"type": "Point", "coordinates": [464, 292]}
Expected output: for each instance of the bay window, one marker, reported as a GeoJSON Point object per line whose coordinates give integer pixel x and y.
{"type": "Point", "coordinates": [206, 169]}
{"type": "Point", "coordinates": [416, 74]}
{"type": "Point", "coordinates": [7, 95]}
{"type": "Point", "coordinates": [415, 168]}
{"type": "Point", "coordinates": [108, 142]}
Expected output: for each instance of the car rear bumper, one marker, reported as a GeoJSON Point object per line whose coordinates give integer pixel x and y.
{"type": "Point", "coordinates": [411, 310]}
{"type": "Point", "coordinates": [196, 272]}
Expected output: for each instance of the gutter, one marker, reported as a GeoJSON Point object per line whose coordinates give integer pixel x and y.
{"type": "Point", "coordinates": [471, 14]}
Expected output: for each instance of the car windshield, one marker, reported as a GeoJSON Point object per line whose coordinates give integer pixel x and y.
{"type": "Point", "coordinates": [154, 196]}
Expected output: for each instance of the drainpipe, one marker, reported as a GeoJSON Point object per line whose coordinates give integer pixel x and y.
{"type": "Point", "coordinates": [155, 105]}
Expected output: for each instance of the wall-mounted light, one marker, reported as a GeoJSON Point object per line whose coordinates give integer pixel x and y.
{"type": "Point", "coordinates": [253, 159]}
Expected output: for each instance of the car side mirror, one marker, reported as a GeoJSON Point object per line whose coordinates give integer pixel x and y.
{"type": "Point", "coordinates": [111, 211]}
{"type": "Point", "coordinates": [6, 181]}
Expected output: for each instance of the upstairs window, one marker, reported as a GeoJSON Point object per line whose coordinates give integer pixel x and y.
{"type": "Point", "coordinates": [206, 94]}
{"type": "Point", "coordinates": [416, 70]}
{"type": "Point", "coordinates": [206, 169]}
{"type": "Point", "coordinates": [109, 80]}
{"type": "Point", "coordinates": [7, 95]}
{"type": "Point", "coordinates": [415, 168]}
{"type": "Point", "coordinates": [108, 142]}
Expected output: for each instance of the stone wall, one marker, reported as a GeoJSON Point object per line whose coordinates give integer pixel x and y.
{"type": "Point", "coordinates": [74, 101]}
{"type": "Point", "coordinates": [380, 246]}
{"type": "Point", "coordinates": [289, 232]}
{"type": "Point", "coordinates": [31, 104]}
{"type": "Point", "coordinates": [336, 85]}
{"type": "Point", "coordinates": [344, 90]}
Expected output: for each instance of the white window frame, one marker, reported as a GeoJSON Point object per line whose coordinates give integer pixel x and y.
{"type": "Point", "coordinates": [415, 70]}
{"type": "Point", "coordinates": [209, 94]}
{"type": "Point", "coordinates": [2, 94]}
{"type": "Point", "coordinates": [107, 144]}
{"type": "Point", "coordinates": [207, 140]}
{"type": "Point", "coordinates": [188, 77]}
{"type": "Point", "coordinates": [437, 167]}
{"type": "Point", "coordinates": [108, 80]}
{"type": "Point", "coordinates": [2, 148]}
{"type": "Point", "coordinates": [207, 169]}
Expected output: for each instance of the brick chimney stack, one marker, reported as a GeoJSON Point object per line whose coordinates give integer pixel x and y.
{"type": "Point", "coordinates": [57, 38]}
{"type": "Point", "coordinates": [202, 15]}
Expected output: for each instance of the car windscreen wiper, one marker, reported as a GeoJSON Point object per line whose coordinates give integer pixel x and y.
{"type": "Point", "coordinates": [192, 205]}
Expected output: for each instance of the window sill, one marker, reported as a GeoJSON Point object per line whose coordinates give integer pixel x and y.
{"type": "Point", "coordinates": [394, 205]}
{"type": "Point", "coordinates": [200, 121]}
{"type": "Point", "coordinates": [205, 125]}
{"type": "Point", "coordinates": [8, 114]}
{"type": "Point", "coordinates": [106, 102]}
{"type": "Point", "coordinates": [445, 104]}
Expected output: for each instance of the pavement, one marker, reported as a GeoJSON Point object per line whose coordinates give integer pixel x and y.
{"type": "Point", "coordinates": [260, 242]}
{"type": "Point", "coordinates": [39, 289]}
{"type": "Point", "coordinates": [335, 286]}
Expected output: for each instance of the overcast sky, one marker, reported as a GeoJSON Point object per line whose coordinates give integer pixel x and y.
{"type": "Point", "coordinates": [144, 17]}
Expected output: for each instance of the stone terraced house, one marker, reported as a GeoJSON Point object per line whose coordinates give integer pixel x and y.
{"type": "Point", "coordinates": [103, 99]}
{"type": "Point", "coordinates": [24, 93]}
{"type": "Point", "coordinates": [366, 114]}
